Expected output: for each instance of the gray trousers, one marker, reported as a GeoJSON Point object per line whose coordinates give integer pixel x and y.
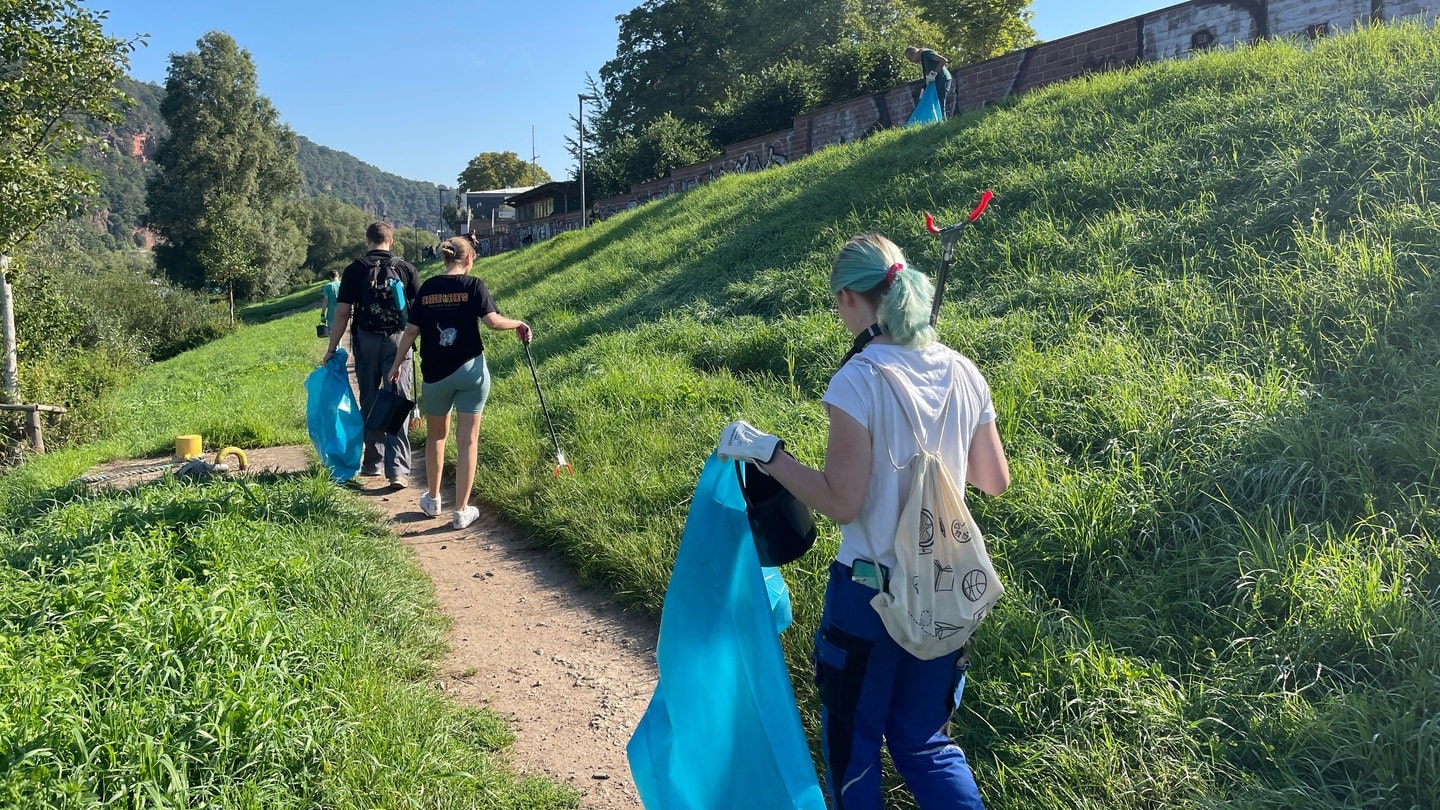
{"type": "Point", "coordinates": [374, 354]}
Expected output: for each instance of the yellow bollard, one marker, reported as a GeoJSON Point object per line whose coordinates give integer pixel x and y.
{"type": "Point", "coordinates": [187, 447]}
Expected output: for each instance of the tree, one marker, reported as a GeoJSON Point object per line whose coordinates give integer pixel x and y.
{"type": "Point", "coordinates": [975, 30]}
{"type": "Point", "coordinates": [690, 57]}
{"type": "Point", "coordinates": [225, 143]}
{"type": "Point", "coordinates": [57, 69]}
{"type": "Point", "coordinates": [227, 250]}
{"type": "Point", "coordinates": [492, 170]}
{"type": "Point", "coordinates": [336, 232]}
{"type": "Point", "coordinates": [671, 57]}
{"type": "Point", "coordinates": [766, 101]}
{"type": "Point", "coordinates": [661, 145]}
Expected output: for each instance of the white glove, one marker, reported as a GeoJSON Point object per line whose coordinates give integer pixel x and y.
{"type": "Point", "coordinates": [930, 77]}
{"type": "Point", "coordinates": [742, 441]}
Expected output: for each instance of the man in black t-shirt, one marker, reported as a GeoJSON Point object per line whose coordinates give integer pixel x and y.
{"type": "Point", "coordinates": [364, 286]}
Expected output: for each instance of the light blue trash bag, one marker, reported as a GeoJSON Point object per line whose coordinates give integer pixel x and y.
{"type": "Point", "coordinates": [927, 109]}
{"type": "Point", "coordinates": [333, 418]}
{"type": "Point", "coordinates": [722, 730]}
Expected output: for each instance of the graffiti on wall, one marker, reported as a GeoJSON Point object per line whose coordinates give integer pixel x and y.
{"type": "Point", "coordinates": [1176, 32]}
{"type": "Point", "coordinates": [1173, 32]}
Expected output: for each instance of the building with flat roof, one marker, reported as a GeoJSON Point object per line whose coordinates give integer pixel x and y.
{"type": "Point", "coordinates": [488, 212]}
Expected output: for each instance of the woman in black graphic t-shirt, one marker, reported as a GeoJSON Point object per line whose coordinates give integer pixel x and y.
{"type": "Point", "coordinates": [446, 317]}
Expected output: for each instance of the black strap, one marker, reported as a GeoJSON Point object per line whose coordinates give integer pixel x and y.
{"type": "Point", "coordinates": [861, 341]}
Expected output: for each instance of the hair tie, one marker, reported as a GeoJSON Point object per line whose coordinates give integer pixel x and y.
{"type": "Point", "coordinates": [894, 269]}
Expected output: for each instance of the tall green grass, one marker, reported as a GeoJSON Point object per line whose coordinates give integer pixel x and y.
{"type": "Point", "coordinates": [1205, 300]}
{"type": "Point", "coordinates": [230, 645]}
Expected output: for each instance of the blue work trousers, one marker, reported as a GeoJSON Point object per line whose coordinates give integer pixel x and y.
{"type": "Point", "coordinates": [872, 690]}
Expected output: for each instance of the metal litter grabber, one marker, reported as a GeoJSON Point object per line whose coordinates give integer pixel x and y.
{"type": "Point", "coordinates": [559, 454]}
{"type": "Point", "coordinates": [949, 235]}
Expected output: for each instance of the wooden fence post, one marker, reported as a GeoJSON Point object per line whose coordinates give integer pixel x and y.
{"type": "Point", "coordinates": [32, 421]}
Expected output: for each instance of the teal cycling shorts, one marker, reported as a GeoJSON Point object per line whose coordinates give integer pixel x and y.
{"type": "Point", "coordinates": [465, 390]}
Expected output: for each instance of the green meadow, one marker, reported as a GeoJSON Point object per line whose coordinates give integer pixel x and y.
{"type": "Point", "coordinates": [1204, 297]}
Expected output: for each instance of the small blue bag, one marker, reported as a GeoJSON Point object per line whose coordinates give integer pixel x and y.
{"type": "Point", "coordinates": [722, 730]}
{"type": "Point", "coordinates": [332, 415]}
{"type": "Point", "coordinates": [927, 109]}
{"type": "Point", "coordinates": [398, 290]}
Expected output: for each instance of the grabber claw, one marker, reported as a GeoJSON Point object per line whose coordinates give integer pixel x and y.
{"type": "Point", "coordinates": [561, 463]}
{"type": "Point", "coordinates": [559, 454]}
{"type": "Point", "coordinates": [949, 235]}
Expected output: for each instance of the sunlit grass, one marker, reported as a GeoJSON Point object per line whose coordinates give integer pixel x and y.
{"type": "Point", "coordinates": [1205, 300]}
{"type": "Point", "coordinates": [230, 645]}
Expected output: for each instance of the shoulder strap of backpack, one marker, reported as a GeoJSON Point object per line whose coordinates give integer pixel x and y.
{"type": "Point", "coordinates": [908, 406]}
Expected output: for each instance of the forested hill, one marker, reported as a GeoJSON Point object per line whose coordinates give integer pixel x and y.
{"type": "Point", "coordinates": [351, 180]}
{"type": "Point", "coordinates": [121, 207]}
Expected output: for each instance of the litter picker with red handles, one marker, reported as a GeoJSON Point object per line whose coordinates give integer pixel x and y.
{"type": "Point", "coordinates": [948, 236]}
{"type": "Point", "coordinates": [560, 462]}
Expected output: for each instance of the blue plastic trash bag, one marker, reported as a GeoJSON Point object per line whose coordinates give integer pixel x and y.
{"type": "Point", "coordinates": [333, 417]}
{"type": "Point", "coordinates": [722, 730]}
{"type": "Point", "coordinates": [927, 109]}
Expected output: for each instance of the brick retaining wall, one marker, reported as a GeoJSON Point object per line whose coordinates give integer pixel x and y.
{"type": "Point", "coordinates": [1168, 33]}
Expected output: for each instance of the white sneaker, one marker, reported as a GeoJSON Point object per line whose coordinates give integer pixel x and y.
{"type": "Point", "coordinates": [430, 506]}
{"type": "Point", "coordinates": [461, 518]}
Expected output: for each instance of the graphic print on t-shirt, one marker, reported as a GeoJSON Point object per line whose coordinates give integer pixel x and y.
{"type": "Point", "coordinates": [448, 313]}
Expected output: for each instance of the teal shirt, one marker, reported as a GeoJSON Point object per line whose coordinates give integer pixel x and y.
{"type": "Point", "coordinates": [928, 63]}
{"type": "Point", "coordinates": [330, 291]}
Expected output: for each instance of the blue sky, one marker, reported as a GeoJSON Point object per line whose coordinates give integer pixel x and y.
{"type": "Point", "coordinates": [418, 88]}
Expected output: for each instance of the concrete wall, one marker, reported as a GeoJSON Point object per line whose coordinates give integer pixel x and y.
{"type": "Point", "coordinates": [1168, 33]}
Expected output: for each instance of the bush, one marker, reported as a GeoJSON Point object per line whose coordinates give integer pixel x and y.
{"type": "Point", "coordinates": [849, 70]}
{"type": "Point", "coordinates": [76, 380]}
{"type": "Point", "coordinates": [765, 102]}
{"type": "Point", "coordinates": [86, 322]}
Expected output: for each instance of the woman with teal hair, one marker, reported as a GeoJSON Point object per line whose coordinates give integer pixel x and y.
{"type": "Point", "coordinates": [871, 689]}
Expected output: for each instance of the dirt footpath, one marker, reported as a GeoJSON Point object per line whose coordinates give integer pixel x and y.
{"type": "Point", "coordinates": [573, 670]}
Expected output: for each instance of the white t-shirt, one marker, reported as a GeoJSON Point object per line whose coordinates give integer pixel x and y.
{"type": "Point", "coordinates": [929, 374]}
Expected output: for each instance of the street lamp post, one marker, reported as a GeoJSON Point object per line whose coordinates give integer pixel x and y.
{"type": "Point", "coordinates": [583, 211]}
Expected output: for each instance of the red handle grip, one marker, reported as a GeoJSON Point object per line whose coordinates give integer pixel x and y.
{"type": "Point", "coordinates": [974, 214]}
{"type": "Point", "coordinates": [984, 201]}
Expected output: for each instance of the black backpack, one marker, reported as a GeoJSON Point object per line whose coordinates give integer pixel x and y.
{"type": "Point", "coordinates": [382, 305]}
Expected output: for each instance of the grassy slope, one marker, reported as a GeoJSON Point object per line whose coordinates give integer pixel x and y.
{"type": "Point", "coordinates": [1205, 300]}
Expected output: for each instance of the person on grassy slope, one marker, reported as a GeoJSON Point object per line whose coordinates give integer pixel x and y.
{"type": "Point", "coordinates": [446, 318]}
{"type": "Point", "coordinates": [870, 687]}
{"type": "Point", "coordinates": [368, 292]}
{"type": "Point", "coordinates": [932, 65]}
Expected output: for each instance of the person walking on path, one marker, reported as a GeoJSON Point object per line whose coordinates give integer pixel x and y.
{"type": "Point", "coordinates": [446, 318]}
{"type": "Point", "coordinates": [329, 298]}
{"type": "Point", "coordinates": [933, 65]}
{"type": "Point", "coordinates": [871, 689]}
{"type": "Point", "coordinates": [375, 291]}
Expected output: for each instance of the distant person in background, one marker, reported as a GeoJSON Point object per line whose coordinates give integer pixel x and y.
{"type": "Point", "coordinates": [933, 65]}
{"type": "Point", "coordinates": [446, 318]}
{"type": "Point", "coordinates": [329, 298]}
{"type": "Point", "coordinates": [366, 291]}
